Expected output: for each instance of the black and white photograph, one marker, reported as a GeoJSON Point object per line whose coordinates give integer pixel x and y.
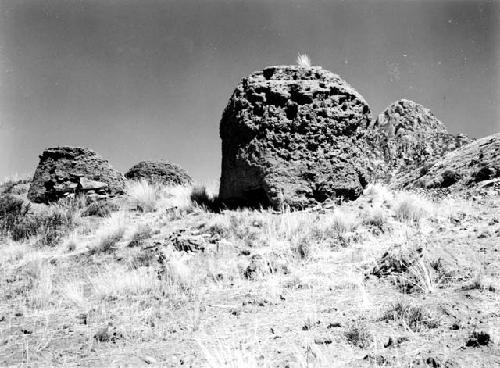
{"type": "Point", "coordinates": [250, 183]}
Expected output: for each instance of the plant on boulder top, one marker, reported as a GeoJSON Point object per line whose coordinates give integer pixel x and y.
{"type": "Point", "coordinates": [303, 61]}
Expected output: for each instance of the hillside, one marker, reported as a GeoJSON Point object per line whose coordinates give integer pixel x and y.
{"type": "Point", "coordinates": [390, 279]}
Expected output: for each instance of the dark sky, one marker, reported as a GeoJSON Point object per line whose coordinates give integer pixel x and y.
{"type": "Point", "coordinates": [145, 79]}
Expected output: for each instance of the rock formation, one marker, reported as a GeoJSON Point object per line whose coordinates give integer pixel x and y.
{"type": "Point", "coordinates": [67, 171]}
{"type": "Point", "coordinates": [289, 137]}
{"type": "Point", "coordinates": [159, 172]}
{"type": "Point", "coordinates": [475, 164]}
{"type": "Point", "coordinates": [406, 136]}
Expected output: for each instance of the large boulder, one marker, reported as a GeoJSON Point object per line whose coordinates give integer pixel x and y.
{"type": "Point", "coordinates": [289, 137]}
{"type": "Point", "coordinates": [159, 172]}
{"type": "Point", "coordinates": [407, 136]}
{"type": "Point", "coordinates": [476, 164]}
{"type": "Point", "coordinates": [68, 171]}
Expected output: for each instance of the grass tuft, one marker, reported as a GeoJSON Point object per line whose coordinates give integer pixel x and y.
{"type": "Point", "coordinates": [412, 208]}
{"type": "Point", "coordinates": [359, 335]}
{"type": "Point", "coordinates": [109, 234]}
{"type": "Point", "coordinates": [303, 61]}
{"type": "Point", "coordinates": [144, 195]}
{"type": "Point", "coordinates": [415, 318]}
{"type": "Point", "coordinates": [201, 197]}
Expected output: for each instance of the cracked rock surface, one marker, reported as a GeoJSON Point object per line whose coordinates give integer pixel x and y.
{"type": "Point", "coordinates": [474, 165]}
{"type": "Point", "coordinates": [159, 172]}
{"type": "Point", "coordinates": [290, 137]}
{"type": "Point", "coordinates": [407, 136]}
{"type": "Point", "coordinates": [67, 171]}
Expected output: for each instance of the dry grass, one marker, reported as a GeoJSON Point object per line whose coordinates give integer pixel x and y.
{"type": "Point", "coordinates": [311, 269]}
{"type": "Point", "coordinates": [414, 318]}
{"type": "Point", "coordinates": [303, 61]}
{"type": "Point", "coordinates": [375, 217]}
{"type": "Point", "coordinates": [412, 208]}
{"type": "Point", "coordinates": [41, 292]}
{"type": "Point", "coordinates": [143, 194]}
{"type": "Point", "coordinates": [120, 281]}
{"type": "Point", "coordinates": [74, 292]}
{"type": "Point", "coordinates": [358, 334]}
{"type": "Point", "coordinates": [110, 233]}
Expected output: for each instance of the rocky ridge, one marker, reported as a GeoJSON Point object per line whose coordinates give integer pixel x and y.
{"type": "Point", "coordinates": [474, 165]}
{"type": "Point", "coordinates": [406, 136]}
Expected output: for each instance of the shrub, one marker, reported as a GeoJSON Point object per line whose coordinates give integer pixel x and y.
{"type": "Point", "coordinates": [143, 194]}
{"type": "Point", "coordinates": [109, 234]}
{"type": "Point", "coordinates": [413, 317]}
{"type": "Point", "coordinates": [176, 197]}
{"type": "Point", "coordinates": [342, 223]}
{"type": "Point", "coordinates": [108, 242]}
{"type": "Point", "coordinates": [376, 217]}
{"type": "Point", "coordinates": [359, 335]}
{"type": "Point", "coordinates": [378, 193]}
{"type": "Point", "coordinates": [12, 211]}
{"type": "Point", "coordinates": [43, 285]}
{"type": "Point", "coordinates": [15, 186]}
{"type": "Point", "coordinates": [49, 224]}
{"type": "Point", "coordinates": [140, 235]}
{"type": "Point", "coordinates": [449, 177]}
{"type": "Point", "coordinates": [100, 209]}
{"type": "Point", "coordinates": [200, 196]}
{"type": "Point", "coordinates": [117, 281]}
{"type": "Point", "coordinates": [409, 270]}
{"type": "Point", "coordinates": [412, 208]}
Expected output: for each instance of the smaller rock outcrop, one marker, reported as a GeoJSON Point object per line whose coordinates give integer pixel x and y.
{"type": "Point", "coordinates": [162, 172]}
{"type": "Point", "coordinates": [406, 136]}
{"type": "Point", "coordinates": [473, 165]}
{"type": "Point", "coordinates": [68, 171]}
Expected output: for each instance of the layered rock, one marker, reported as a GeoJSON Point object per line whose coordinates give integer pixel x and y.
{"type": "Point", "coordinates": [406, 136]}
{"type": "Point", "coordinates": [159, 172]}
{"type": "Point", "coordinates": [68, 171]}
{"type": "Point", "coordinates": [475, 164]}
{"type": "Point", "coordinates": [290, 137]}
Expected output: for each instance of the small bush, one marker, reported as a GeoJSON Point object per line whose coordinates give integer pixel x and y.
{"type": "Point", "coordinates": [107, 244]}
{"type": "Point", "coordinates": [109, 234]}
{"type": "Point", "coordinates": [12, 211]}
{"type": "Point", "coordinates": [144, 195]}
{"type": "Point", "coordinates": [342, 223]}
{"type": "Point", "coordinates": [43, 285]}
{"type": "Point", "coordinates": [415, 318]}
{"type": "Point", "coordinates": [378, 193]}
{"type": "Point", "coordinates": [100, 209]}
{"type": "Point", "coordinates": [412, 208]}
{"type": "Point", "coordinates": [140, 235]}
{"type": "Point", "coordinates": [359, 335]}
{"type": "Point", "coordinates": [117, 281]}
{"type": "Point", "coordinates": [449, 177]}
{"type": "Point", "coordinates": [200, 196]}
{"type": "Point", "coordinates": [408, 269]}
{"type": "Point", "coordinates": [15, 186]}
{"type": "Point", "coordinates": [49, 224]}
{"type": "Point", "coordinates": [376, 218]}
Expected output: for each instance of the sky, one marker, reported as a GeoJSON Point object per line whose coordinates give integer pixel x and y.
{"type": "Point", "coordinates": [147, 79]}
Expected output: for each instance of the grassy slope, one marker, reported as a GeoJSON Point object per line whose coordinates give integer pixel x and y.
{"type": "Point", "coordinates": [270, 290]}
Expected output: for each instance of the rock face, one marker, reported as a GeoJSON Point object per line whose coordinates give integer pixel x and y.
{"type": "Point", "coordinates": [475, 164]}
{"type": "Point", "coordinates": [406, 136]}
{"type": "Point", "coordinates": [289, 136]}
{"type": "Point", "coordinates": [67, 171]}
{"type": "Point", "coordinates": [159, 172]}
